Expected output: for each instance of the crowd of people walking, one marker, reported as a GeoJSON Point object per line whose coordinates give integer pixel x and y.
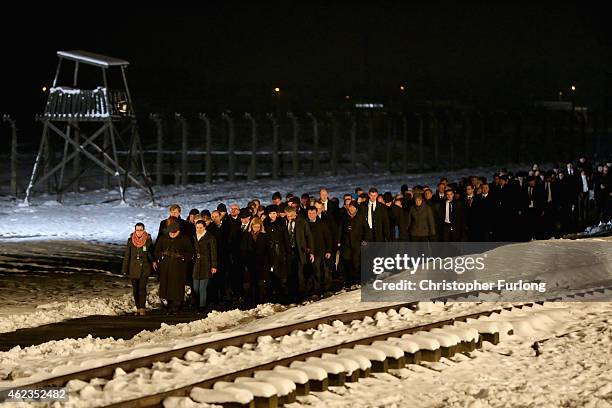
{"type": "Point", "coordinates": [302, 246]}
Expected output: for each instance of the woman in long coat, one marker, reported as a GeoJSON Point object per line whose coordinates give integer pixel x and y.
{"type": "Point", "coordinates": [255, 250]}
{"type": "Point", "coordinates": [174, 252]}
{"type": "Point", "coordinates": [137, 265]}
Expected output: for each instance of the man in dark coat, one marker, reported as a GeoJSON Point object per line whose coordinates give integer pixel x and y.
{"type": "Point", "coordinates": [137, 264]}
{"type": "Point", "coordinates": [330, 207]}
{"type": "Point", "coordinates": [323, 246]}
{"type": "Point", "coordinates": [174, 214]}
{"type": "Point", "coordinates": [532, 203]}
{"type": "Point", "coordinates": [376, 219]}
{"type": "Point", "coordinates": [278, 239]}
{"type": "Point", "coordinates": [205, 262]}
{"type": "Point", "coordinates": [236, 267]}
{"type": "Point", "coordinates": [351, 233]}
{"type": "Point", "coordinates": [452, 219]}
{"type": "Point", "coordinates": [483, 215]}
{"type": "Point", "coordinates": [300, 254]}
{"type": "Point", "coordinates": [173, 252]}
{"type": "Point", "coordinates": [220, 286]}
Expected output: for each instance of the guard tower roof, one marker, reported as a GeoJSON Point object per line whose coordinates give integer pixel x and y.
{"type": "Point", "coordinates": [91, 58]}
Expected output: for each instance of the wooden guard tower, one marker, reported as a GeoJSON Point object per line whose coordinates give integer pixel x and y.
{"type": "Point", "coordinates": [80, 117]}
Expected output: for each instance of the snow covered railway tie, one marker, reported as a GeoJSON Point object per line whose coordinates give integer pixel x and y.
{"type": "Point", "coordinates": [333, 365]}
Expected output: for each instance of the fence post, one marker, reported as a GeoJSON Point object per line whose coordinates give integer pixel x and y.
{"type": "Point", "coordinates": [334, 143]}
{"type": "Point", "coordinates": [11, 122]}
{"type": "Point", "coordinates": [274, 146]}
{"type": "Point", "coordinates": [436, 138]}
{"type": "Point", "coordinates": [315, 143]}
{"type": "Point", "coordinates": [583, 137]}
{"type": "Point", "coordinates": [184, 148]}
{"type": "Point", "coordinates": [404, 167]}
{"type": "Point", "coordinates": [353, 142]}
{"type": "Point", "coordinates": [252, 173]}
{"type": "Point", "coordinates": [231, 159]}
{"type": "Point", "coordinates": [159, 159]}
{"type": "Point", "coordinates": [294, 155]}
{"type": "Point", "coordinates": [518, 138]}
{"type": "Point", "coordinates": [450, 136]}
{"type": "Point", "coordinates": [467, 131]}
{"type": "Point", "coordinates": [208, 147]}
{"type": "Point", "coordinates": [389, 141]}
{"type": "Point", "coordinates": [371, 149]}
{"type": "Point", "coordinates": [421, 142]}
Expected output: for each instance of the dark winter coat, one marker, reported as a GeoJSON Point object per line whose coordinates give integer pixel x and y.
{"type": "Point", "coordinates": [206, 256]}
{"type": "Point", "coordinates": [421, 221]}
{"type": "Point", "coordinates": [380, 231]}
{"type": "Point", "coordinates": [183, 224]}
{"type": "Point", "coordinates": [351, 233]}
{"type": "Point", "coordinates": [321, 238]}
{"type": "Point", "coordinates": [137, 262]}
{"type": "Point", "coordinates": [221, 235]}
{"type": "Point", "coordinates": [278, 239]}
{"type": "Point", "coordinates": [255, 253]}
{"type": "Point", "coordinates": [303, 239]}
{"type": "Point", "coordinates": [174, 255]}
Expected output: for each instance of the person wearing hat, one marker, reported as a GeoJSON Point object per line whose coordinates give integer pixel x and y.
{"type": "Point", "coordinates": [278, 239]}
{"type": "Point", "coordinates": [173, 252]}
{"type": "Point", "coordinates": [174, 211]}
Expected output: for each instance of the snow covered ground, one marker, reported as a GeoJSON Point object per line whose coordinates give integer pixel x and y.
{"type": "Point", "coordinates": [99, 216]}
{"type": "Point", "coordinates": [93, 226]}
{"type": "Point", "coordinates": [574, 370]}
{"type": "Point", "coordinates": [90, 229]}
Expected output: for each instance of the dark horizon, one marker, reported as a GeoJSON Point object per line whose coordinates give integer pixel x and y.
{"type": "Point", "coordinates": [226, 57]}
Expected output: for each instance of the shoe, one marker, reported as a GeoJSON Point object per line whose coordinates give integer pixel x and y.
{"type": "Point", "coordinates": [141, 312]}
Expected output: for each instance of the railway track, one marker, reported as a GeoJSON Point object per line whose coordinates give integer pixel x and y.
{"type": "Point", "coordinates": [398, 348]}
{"type": "Point", "coordinates": [338, 378]}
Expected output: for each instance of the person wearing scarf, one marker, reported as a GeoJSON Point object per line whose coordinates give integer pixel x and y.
{"type": "Point", "coordinates": [137, 265]}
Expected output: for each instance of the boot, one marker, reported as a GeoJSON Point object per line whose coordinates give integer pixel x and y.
{"type": "Point", "coordinates": [141, 312]}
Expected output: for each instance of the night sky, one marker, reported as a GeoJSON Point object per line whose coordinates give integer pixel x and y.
{"type": "Point", "coordinates": [209, 59]}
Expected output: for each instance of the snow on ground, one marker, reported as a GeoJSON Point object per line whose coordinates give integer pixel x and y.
{"type": "Point", "coordinates": [574, 370]}
{"type": "Point", "coordinates": [95, 225]}
{"type": "Point", "coordinates": [99, 216]}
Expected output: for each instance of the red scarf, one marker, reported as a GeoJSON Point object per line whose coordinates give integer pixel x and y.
{"type": "Point", "coordinates": [140, 242]}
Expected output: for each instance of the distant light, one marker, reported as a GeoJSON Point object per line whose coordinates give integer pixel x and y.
{"type": "Point", "coordinates": [44, 89]}
{"type": "Point", "coordinates": [573, 87]}
{"type": "Point", "coordinates": [347, 97]}
{"type": "Point", "coordinates": [277, 89]}
{"type": "Point", "coordinates": [402, 87]}
{"type": "Point", "coordinates": [369, 105]}
{"type": "Point", "coordinates": [560, 93]}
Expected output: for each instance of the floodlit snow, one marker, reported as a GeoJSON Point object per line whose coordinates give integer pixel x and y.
{"type": "Point", "coordinates": [574, 370]}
